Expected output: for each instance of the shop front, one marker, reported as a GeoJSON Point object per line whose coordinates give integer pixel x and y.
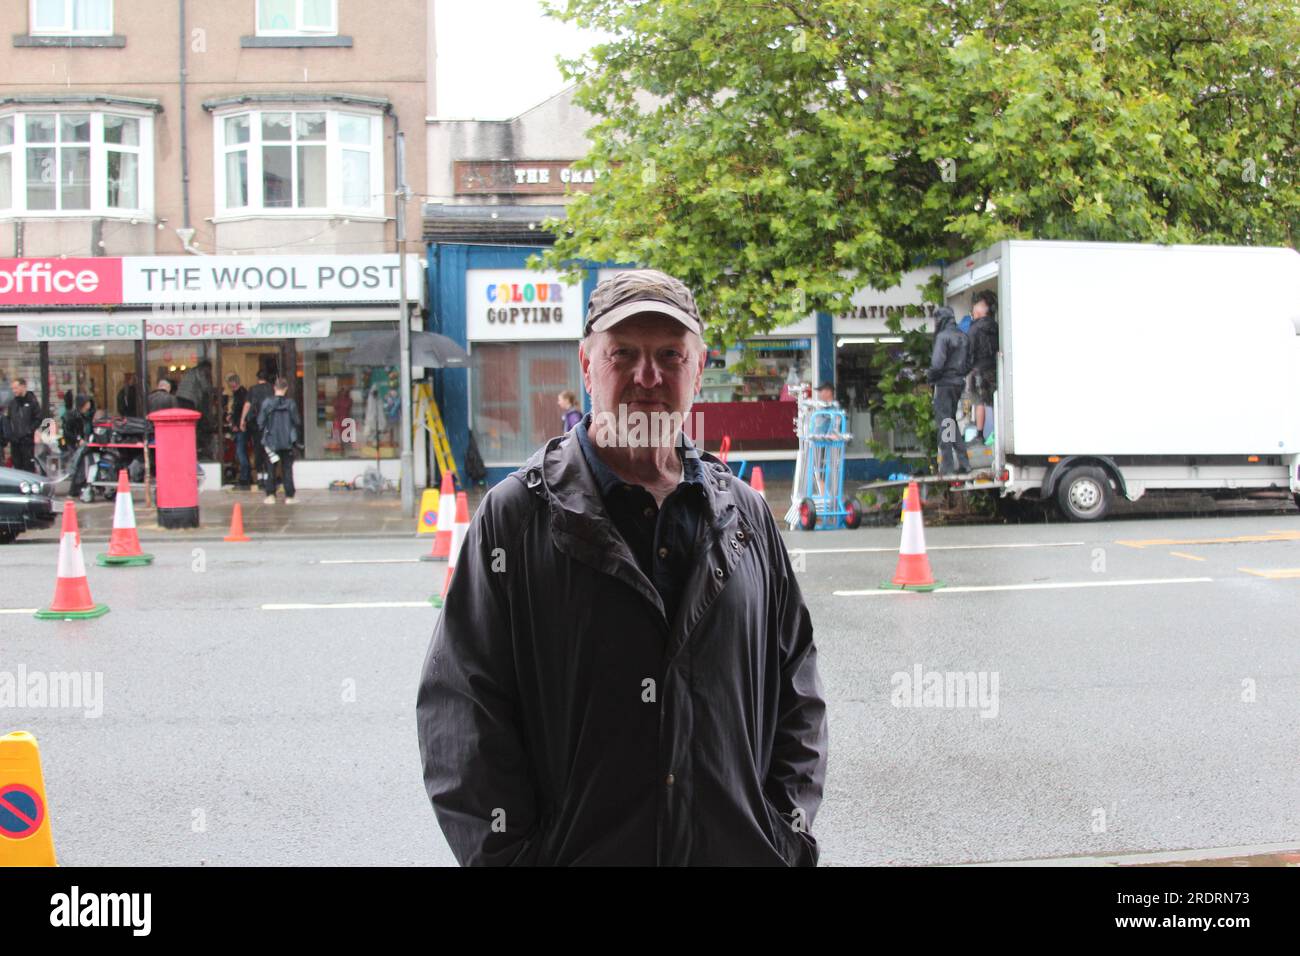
{"type": "Point", "coordinates": [194, 322]}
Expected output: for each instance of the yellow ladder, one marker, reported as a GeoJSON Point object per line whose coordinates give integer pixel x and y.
{"type": "Point", "coordinates": [433, 422]}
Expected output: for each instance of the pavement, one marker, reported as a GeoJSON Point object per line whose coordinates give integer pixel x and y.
{"type": "Point", "coordinates": [359, 514]}
{"type": "Point", "coordinates": [257, 701]}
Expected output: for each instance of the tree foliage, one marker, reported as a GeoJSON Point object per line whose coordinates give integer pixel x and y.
{"type": "Point", "coordinates": [795, 150]}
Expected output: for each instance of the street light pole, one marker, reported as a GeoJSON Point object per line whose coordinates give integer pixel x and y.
{"type": "Point", "coordinates": [404, 335]}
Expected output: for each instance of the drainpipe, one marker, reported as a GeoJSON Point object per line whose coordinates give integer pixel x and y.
{"type": "Point", "coordinates": [186, 232]}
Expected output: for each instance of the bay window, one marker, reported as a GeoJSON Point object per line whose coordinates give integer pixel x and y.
{"type": "Point", "coordinates": [299, 161]}
{"type": "Point", "coordinates": [88, 163]}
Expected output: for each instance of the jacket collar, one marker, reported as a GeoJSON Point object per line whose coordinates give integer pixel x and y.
{"type": "Point", "coordinates": [582, 528]}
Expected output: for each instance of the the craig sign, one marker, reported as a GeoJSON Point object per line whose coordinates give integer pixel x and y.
{"type": "Point", "coordinates": [171, 280]}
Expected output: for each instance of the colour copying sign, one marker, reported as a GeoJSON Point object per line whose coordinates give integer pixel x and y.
{"type": "Point", "coordinates": [21, 811]}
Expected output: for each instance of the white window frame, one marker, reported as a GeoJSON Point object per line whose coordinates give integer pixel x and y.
{"type": "Point", "coordinates": [99, 207]}
{"type": "Point", "coordinates": [298, 30]}
{"type": "Point", "coordinates": [66, 30]}
{"type": "Point", "coordinates": [334, 147]}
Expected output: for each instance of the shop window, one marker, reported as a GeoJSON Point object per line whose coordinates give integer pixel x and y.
{"type": "Point", "coordinates": [78, 163]}
{"type": "Point", "coordinates": [349, 411]}
{"type": "Point", "coordinates": [18, 360]}
{"type": "Point", "coordinates": [281, 18]}
{"type": "Point", "coordinates": [514, 392]}
{"type": "Point", "coordinates": [71, 17]}
{"type": "Point", "coordinates": [283, 161]}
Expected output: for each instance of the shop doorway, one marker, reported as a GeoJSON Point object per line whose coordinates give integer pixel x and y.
{"type": "Point", "coordinates": [245, 358]}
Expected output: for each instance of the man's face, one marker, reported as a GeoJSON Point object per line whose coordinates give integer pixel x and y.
{"type": "Point", "coordinates": [649, 362]}
{"type": "Point", "coordinates": [979, 309]}
{"type": "Point", "coordinates": [20, 389]}
{"type": "Point", "coordinates": [826, 394]}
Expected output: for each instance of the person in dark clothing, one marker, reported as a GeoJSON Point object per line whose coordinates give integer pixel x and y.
{"type": "Point", "coordinates": [235, 421]}
{"type": "Point", "coordinates": [24, 418]}
{"type": "Point", "coordinates": [624, 672]}
{"type": "Point", "coordinates": [280, 425]}
{"type": "Point", "coordinates": [78, 423]}
{"type": "Point", "coordinates": [949, 365]}
{"type": "Point", "coordinates": [128, 396]}
{"type": "Point", "coordinates": [984, 357]}
{"type": "Point", "coordinates": [259, 393]}
{"type": "Point", "coordinates": [161, 397]}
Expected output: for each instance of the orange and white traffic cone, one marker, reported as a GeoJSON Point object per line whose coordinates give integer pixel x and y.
{"type": "Point", "coordinates": [236, 533]}
{"type": "Point", "coordinates": [72, 600]}
{"type": "Point", "coordinates": [913, 572]}
{"type": "Point", "coordinates": [124, 545]}
{"type": "Point", "coordinates": [446, 521]}
{"type": "Point", "coordinates": [756, 482]}
{"type": "Point", "coordinates": [457, 540]}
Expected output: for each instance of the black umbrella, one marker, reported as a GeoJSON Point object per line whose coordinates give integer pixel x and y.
{"type": "Point", "coordinates": [428, 349]}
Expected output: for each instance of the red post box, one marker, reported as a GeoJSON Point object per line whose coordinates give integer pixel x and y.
{"type": "Point", "coordinates": [177, 467]}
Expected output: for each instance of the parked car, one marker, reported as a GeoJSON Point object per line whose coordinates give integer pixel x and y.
{"type": "Point", "coordinates": [26, 503]}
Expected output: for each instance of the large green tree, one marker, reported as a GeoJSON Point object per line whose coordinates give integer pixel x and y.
{"type": "Point", "coordinates": [795, 150]}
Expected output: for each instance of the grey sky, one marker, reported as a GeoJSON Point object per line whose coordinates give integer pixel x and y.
{"type": "Point", "coordinates": [496, 58]}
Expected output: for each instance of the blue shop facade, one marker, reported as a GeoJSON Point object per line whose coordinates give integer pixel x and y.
{"type": "Point", "coordinates": [522, 328]}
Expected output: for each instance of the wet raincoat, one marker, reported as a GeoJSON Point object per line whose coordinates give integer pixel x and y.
{"type": "Point", "coordinates": [564, 720]}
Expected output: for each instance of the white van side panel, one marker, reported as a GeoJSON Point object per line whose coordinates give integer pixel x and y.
{"type": "Point", "coordinates": [1126, 349]}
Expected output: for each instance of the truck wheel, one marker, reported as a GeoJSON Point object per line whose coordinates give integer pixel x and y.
{"type": "Point", "coordinates": [1296, 496]}
{"type": "Point", "coordinates": [7, 535]}
{"type": "Point", "coordinates": [1084, 493]}
{"type": "Point", "coordinates": [853, 517]}
{"type": "Point", "coordinates": [807, 514]}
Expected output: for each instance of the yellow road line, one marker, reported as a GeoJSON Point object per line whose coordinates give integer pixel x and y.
{"type": "Point", "coordinates": [1239, 539]}
{"type": "Point", "coordinates": [1274, 574]}
{"type": "Point", "coordinates": [1189, 557]}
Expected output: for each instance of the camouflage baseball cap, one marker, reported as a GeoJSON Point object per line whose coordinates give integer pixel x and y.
{"type": "Point", "coordinates": [641, 290]}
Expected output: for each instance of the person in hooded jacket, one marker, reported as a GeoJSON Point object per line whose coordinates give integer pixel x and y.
{"type": "Point", "coordinates": [949, 365]}
{"type": "Point", "coordinates": [623, 671]}
{"type": "Point", "coordinates": [280, 426]}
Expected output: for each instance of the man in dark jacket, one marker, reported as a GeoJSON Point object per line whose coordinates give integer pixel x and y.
{"type": "Point", "coordinates": [624, 672]}
{"type": "Point", "coordinates": [984, 357]}
{"type": "Point", "coordinates": [161, 397]}
{"type": "Point", "coordinates": [128, 396]}
{"type": "Point", "coordinates": [24, 414]}
{"type": "Point", "coordinates": [256, 396]}
{"type": "Point", "coordinates": [280, 427]}
{"type": "Point", "coordinates": [949, 365]}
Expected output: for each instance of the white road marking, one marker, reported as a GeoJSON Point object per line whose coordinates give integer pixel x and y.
{"type": "Point", "coordinates": [942, 547]}
{"type": "Point", "coordinates": [1046, 586]}
{"type": "Point", "coordinates": [347, 605]}
{"type": "Point", "coordinates": [369, 561]}
{"type": "Point", "coordinates": [18, 610]}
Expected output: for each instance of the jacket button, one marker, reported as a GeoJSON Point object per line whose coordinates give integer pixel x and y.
{"type": "Point", "coordinates": [663, 552]}
{"type": "Point", "coordinates": [717, 572]}
{"type": "Point", "coordinates": [740, 535]}
{"type": "Point", "coordinates": [669, 780]}
{"type": "Point", "coordinates": [649, 512]}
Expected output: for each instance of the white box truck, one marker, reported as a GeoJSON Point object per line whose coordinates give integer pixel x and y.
{"type": "Point", "coordinates": [1128, 368]}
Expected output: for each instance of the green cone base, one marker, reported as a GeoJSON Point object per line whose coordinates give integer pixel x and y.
{"type": "Point", "coordinates": [99, 610]}
{"type": "Point", "coordinates": [108, 560]}
{"type": "Point", "coordinates": [889, 586]}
